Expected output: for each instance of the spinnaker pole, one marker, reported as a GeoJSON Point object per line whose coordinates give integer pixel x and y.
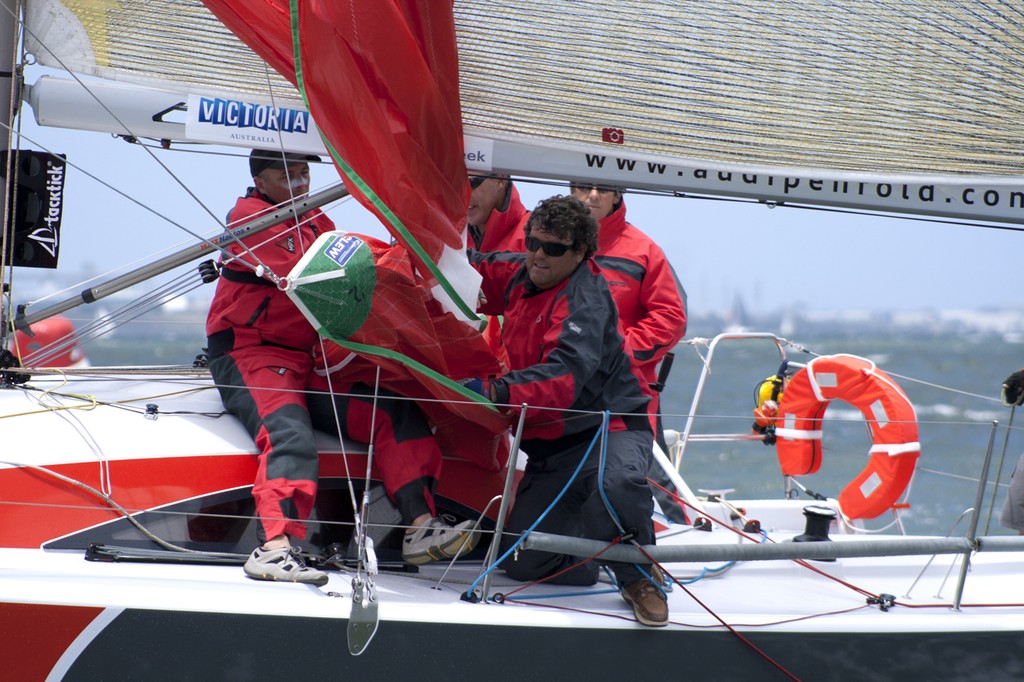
{"type": "Point", "coordinates": [23, 320]}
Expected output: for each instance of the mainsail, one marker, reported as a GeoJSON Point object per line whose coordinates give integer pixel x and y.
{"type": "Point", "coordinates": [893, 106]}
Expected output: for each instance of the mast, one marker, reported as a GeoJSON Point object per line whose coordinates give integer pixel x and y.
{"type": "Point", "coordinates": [8, 84]}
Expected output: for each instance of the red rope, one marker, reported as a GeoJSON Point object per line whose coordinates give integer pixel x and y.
{"type": "Point", "coordinates": [714, 615]}
{"type": "Point", "coordinates": [722, 623]}
{"type": "Point", "coordinates": [811, 567]}
{"type": "Point", "coordinates": [564, 570]}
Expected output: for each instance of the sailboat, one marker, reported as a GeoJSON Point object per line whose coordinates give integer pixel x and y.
{"type": "Point", "coordinates": [737, 320]}
{"type": "Point", "coordinates": [126, 491]}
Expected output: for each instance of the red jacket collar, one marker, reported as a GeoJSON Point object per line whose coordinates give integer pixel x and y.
{"type": "Point", "coordinates": [611, 227]}
{"type": "Point", "coordinates": [500, 224]}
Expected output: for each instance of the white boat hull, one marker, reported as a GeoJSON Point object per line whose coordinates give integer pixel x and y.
{"type": "Point", "coordinates": [85, 620]}
{"type": "Point", "coordinates": [146, 621]}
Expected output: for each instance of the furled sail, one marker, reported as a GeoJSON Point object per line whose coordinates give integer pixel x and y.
{"type": "Point", "coordinates": [897, 106]}
{"type": "Point", "coordinates": [364, 295]}
{"type": "Point", "coordinates": [381, 80]}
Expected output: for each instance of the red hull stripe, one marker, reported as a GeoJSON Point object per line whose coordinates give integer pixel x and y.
{"type": "Point", "coordinates": [38, 508]}
{"type": "Point", "coordinates": [37, 635]}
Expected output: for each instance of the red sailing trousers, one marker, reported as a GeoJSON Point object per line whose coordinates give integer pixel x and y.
{"type": "Point", "coordinates": [280, 401]}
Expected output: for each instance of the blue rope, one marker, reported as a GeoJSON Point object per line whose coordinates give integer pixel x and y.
{"type": "Point", "coordinates": [522, 537]}
{"type": "Point", "coordinates": [600, 475]}
{"type": "Point", "coordinates": [705, 572]}
{"type": "Point", "coordinates": [661, 588]}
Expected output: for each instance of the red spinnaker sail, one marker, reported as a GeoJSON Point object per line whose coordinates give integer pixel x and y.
{"type": "Point", "coordinates": [431, 337]}
{"type": "Point", "coordinates": [381, 79]}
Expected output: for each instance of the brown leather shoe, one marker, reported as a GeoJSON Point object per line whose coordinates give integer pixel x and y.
{"type": "Point", "coordinates": [649, 604]}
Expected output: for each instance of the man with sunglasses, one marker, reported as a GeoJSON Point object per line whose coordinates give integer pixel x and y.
{"type": "Point", "coordinates": [569, 363]}
{"type": "Point", "coordinates": [649, 296]}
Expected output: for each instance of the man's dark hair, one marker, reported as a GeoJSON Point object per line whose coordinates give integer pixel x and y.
{"type": "Point", "coordinates": [566, 218]}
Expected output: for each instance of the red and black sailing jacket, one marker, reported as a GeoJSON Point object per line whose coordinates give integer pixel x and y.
{"type": "Point", "coordinates": [566, 352]}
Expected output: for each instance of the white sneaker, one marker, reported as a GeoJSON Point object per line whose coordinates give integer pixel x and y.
{"type": "Point", "coordinates": [283, 564]}
{"type": "Point", "coordinates": [436, 540]}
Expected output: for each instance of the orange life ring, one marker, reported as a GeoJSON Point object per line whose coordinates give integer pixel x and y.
{"type": "Point", "coordinates": [889, 414]}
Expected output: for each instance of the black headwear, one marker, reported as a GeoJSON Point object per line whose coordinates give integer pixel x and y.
{"type": "Point", "coordinates": [261, 159]}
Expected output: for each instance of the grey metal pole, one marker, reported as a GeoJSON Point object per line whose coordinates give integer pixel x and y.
{"type": "Point", "coordinates": [979, 499]}
{"type": "Point", "coordinates": [835, 549]}
{"type": "Point", "coordinates": [499, 527]}
{"type": "Point", "coordinates": [23, 320]}
{"type": "Point", "coordinates": [999, 470]}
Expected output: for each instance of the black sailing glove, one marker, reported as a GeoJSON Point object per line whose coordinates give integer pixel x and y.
{"type": "Point", "coordinates": [1013, 388]}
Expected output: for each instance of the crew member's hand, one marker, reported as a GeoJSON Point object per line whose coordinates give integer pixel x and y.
{"type": "Point", "coordinates": [1013, 388]}
{"type": "Point", "coordinates": [478, 385]}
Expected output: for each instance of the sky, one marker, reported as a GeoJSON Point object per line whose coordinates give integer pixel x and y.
{"type": "Point", "coordinates": [773, 259]}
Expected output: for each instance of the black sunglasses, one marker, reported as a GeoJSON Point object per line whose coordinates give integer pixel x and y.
{"type": "Point", "coordinates": [476, 180]}
{"type": "Point", "coordinates": [553, 249]}
{"type": "Point", "coordinates": [589, 188]}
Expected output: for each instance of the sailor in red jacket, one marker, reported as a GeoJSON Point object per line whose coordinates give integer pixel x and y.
{"type": "Point", "coordinates": [569, 363]}
{"type": "Point", "coordinates": [496, 217]}
{"type": "Point", "coordinates": [650, 298]}
{"type": "Point", "coordinates": [260, 348]}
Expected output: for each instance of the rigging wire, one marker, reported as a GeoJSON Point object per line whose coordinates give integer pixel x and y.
{"type": "Point", "coordinates": [259, 267]}
{"type": "Point", "coordinates": [114, 116]}
{"type": "Point", "coordinates": [110, 322]}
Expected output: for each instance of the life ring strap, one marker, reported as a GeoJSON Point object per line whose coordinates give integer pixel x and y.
{"type": "Point", "coordinates": [797, 434]}
{"type": "Point", "coordinates": [891, 449]}
{"type": "Point", "coordinates": [894, 449]}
